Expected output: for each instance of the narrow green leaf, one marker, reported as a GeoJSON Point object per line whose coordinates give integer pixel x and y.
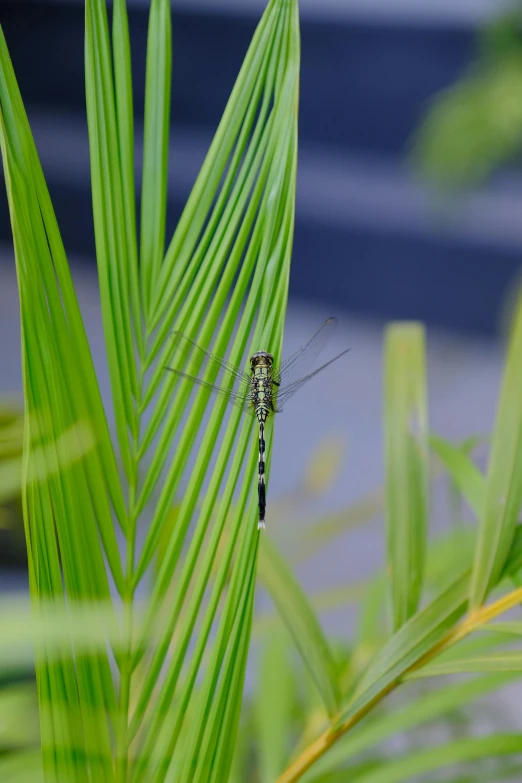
{"type": "Point", "coordinates": [504, 488]}
{"type": "Point", "coordinates": [402, 718]}
{"type": "Point", "coordinates": [21, 152]}
{"type": "Point", "coordinates": [210, 745]}
{"type": "Point", "coordinates": [512, 628]}
{"type": "Point", "coordinates": [417, 637]}
{"type": "Point", "coordinates": [155, 146]}
{"type": "Point", "coordinates": [241, 761]}
{"type": "Point", "coordinates": [275, 702]}
{"type": "Point", "coordinates": [125, 127]}
{"type": "Point", "coordinates": [407, 469]}
{"type": "Point", "coordinates": [301, 622]}
{"type": "Point", "coordinates": [467, 477]}
{"type": "Point", "coordinates": [495, 662]}
{"type": "Point", "coordinates": [234, 278]}
{"type": "Point", "coordinates": [420, 762]}
{"type": "Point", "coordinates": [111, 233]}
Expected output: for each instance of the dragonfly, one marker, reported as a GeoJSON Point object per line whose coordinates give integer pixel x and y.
{"type": "Point", "coordinates": [263, 390]}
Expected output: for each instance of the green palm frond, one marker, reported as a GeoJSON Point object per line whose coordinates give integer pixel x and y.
{"type": "Point", "coordinates": [224, 279]}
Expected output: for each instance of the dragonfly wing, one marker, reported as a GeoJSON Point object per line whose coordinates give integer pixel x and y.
{"type": "Point", "coordinates": [283, 394]}
{"type": "Point", "coordinates": [210, 371]}
{"type": "Point", "coordinates": [205, 362]}
{"type": "Point", "coordinates": [303, 359]}
{"type": "Point", "coordinates": [241, 399]}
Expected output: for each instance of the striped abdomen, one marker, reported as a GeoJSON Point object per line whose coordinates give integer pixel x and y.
{"type": "Point", "coordinates": [263, 405]}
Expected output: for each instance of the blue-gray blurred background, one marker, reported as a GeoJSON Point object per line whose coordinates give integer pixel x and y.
{"type": "Point", "coordinates": [369, 71]}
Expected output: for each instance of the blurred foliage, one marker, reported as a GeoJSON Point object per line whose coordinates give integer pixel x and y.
{"type": "Point", "coordinates": [475, 126]}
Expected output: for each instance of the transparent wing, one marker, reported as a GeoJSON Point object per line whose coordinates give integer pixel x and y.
{"type": "Point", "coordinates": [207, 370]}
{"type": "Point", "coordinates": [283, 394]}
{"type": "Point", "coordinates": [302, 360]}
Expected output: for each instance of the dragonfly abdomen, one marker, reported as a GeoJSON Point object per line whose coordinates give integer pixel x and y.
{"type": "Point", "coordinates": [261, 486]}
{"type": "Point", "coordinates": [263, 406]}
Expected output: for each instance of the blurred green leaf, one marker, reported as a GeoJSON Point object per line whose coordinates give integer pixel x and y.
{"type": "Point", "coordinates": [495, 662]}
{"type": "Point", "coordinates": [423, 708]}
{"type": "Point", "coordinates": [417, 637]}
{"type": "Point", "coordinates": [504, 489]}
{"type": "Point", "coordinates": [403, 768]}
{"type": "Point", "coordinates": [274, 705]}
{"type": "Point", "coordinates": [514, 627]}
{"type": "Point", "coordinates": [407, 468]}
{"type": "Point", "coordinates": [301, 622]}
{"type": "Point", "coordinates": [473, 126]}
{"type": "Point", "coordinates": [19, 726]}
{"type": "Point", "coordinates": [22, 767]}
{"type": "Point", "coordinates": [324, 466]}
{"type": "Point", "coordinates": [467, 477]}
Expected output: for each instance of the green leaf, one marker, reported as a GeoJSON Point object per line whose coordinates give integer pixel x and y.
{"type": "Point", "coordinates": [461, 751]}
{"type": "Point", "coordinates": [474, 126]}
{"type": "Point", "coordinates": [513, 627]}
{"type": "Point", "coordinates": [155, 149]}
{"type": "Point", "coordinates": [407, 469]}
{"type": "Point", "coordinates": [22, 767]}
{"type": "Point", "coordinates": [301, 622]}
{"type": "Point", "coordinates": [225, 281]}
{"type": "Point", "coordinates": [68, 516]}
{"type": "Point", "coordinates": [274, 706]}
{"type": "Point", "coordinates": [504, 489]}
{"type": "Point", "coordinates": [495, 662]}
{"type": "Point", "coordinates": [115, 249]}
{"type": "Point", "coordinates": [18, 716]}
{"type": "Point", "coordinates": [408, 645]}
{"type": "Point", "coordinates": [125, 126]}
{"type": "Point", "coordinates": [467, 477]}
{"type": "Point", "coordinates": [417, 637]}
{"type": "Point", "coordinates": [407, 717]}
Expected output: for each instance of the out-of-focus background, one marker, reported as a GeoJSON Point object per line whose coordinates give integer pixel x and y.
{"type": "Point", "coordinates": [374, 240]}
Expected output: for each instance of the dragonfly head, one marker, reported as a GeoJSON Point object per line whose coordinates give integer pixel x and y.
{"type": "Point", "coordinates": [261, 359]}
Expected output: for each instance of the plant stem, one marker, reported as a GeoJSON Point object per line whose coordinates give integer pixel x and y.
{"type": "Point", "coordinates": [471, 623]}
